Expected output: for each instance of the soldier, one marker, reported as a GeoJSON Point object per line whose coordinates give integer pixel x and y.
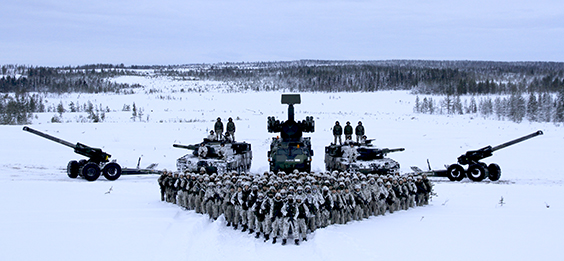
{"type": "Point", "coordinates": [337, 132]}
{"type": "Point", "coordinates": [251, 200]}
{"type": "Point", "coordinates": [218, 127]}
{"type": "Point", "coordinates": [182, 199]}
{"type": "Point", "coordinates": [429, 186]}
{"type": "Point", "coordinates": [348, 131]}
{"type": "Point", "coordinates": [276, 216]}
{"type": "Point", "coordinates": [223, 152]}
{"type": "Point", "coordinates": [336, 217]}
{"type": "Point", "coordinates": [162, 184]}
{"type": "Point", "coordinates": [202, 151]}
{"type": "Point", "coordinates": [303, 214]}
{"type": "Point", "coordinates": [412, 191]}
{"type": "Point", "coordinates": [359, 131]}
{"type": "Point", "coordinates": [290, 215]}
{"type": "Point", "coordinates": [212, 136]}
{"type": "Point", "coordinates": [350, 206]}
{"type": "Point", "coordinates": [421, 191]}
{"type": "Point", "coordinates": [350, 152]}
{"type": "Point", "coordinates": [211, 198]}
{"type": "Point", "coordinates": [265, 209]}
{"type": "Point", "coordinates": [175, 188]}
{"type": "Point", "coordinates": [391, 200]}
{"type": "Point", "coordinates": [228, 209]}
{"type": "Point", "coordinates": [382, 196]}
{"type": "Point", "coordinates": [230, 129]}
{"type": "Point", "coordinates": [237, 201]}
{"type": "Point", "coordinates": [258, 215]}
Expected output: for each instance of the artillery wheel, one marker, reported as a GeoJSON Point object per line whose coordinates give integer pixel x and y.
{"type": "Point", "coordinates": [90, 171]}
{"type": "Point", "coordinates": [477, 172]}
{"type": "Point", "coordinates": [72, 169]}
{"type": "Point", "coordinates": [494, 172]}
{"type": "Point", "coordinates": [112, 171]}
{"type": "Point", "coordinates": [455, 172]}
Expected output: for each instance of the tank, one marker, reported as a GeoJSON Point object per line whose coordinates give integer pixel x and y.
{"type": "Point", "coordinates": [360, 157]}
{"type": "Point", "coordinates": [290, 151]}
{"type": "Point", "coordinates": [238, 157]}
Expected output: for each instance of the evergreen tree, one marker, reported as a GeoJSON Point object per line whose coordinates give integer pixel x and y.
{"type": "Point", "coordinates": [532, 108]}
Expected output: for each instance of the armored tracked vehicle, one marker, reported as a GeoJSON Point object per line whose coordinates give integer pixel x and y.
{"type": "Point", "coordinates": [219, 157]}
{"type": "Point", "coordinates": [361, 157]}
{"type": "Point", "coordinates": [290, 150]}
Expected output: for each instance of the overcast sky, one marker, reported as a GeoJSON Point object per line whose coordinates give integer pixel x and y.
{"type": "Point", "coordinates": [76, 32]}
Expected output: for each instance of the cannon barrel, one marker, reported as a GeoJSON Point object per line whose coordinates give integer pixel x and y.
{"type": "Point", "coordinates": [49, 137]}
{"type": "Point", "coordinates": [474, 156]}
{"type": "Point", "coordinates": [94, 154]}
{"type": "Point", "coordinates": [524, 138]}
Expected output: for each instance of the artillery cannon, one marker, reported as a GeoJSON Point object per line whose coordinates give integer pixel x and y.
{"type": "Point", "coordinates": [291, 150]}
{"type": "Point", "coordinates": [361, 157]}
{"type": "Point", "coordinates": [478, 171]}
{"type": "Point", "coordinates": [97, 163]}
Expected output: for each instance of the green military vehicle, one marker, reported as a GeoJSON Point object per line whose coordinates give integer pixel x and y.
{"type": "Point", "coordinates": [290, 151]}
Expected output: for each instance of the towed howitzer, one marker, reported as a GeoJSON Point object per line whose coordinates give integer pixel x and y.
{"type": "Point", "coordinates": [478, 171]}
{"type": "Point", "coordinates": [98, 161]}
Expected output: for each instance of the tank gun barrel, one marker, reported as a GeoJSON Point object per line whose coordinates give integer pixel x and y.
{"type": "Point", "coordinates": [386, 150]}
{"type": "Point", "coordinates": [515, 141]}
{"type": "Point", "coordinates": [188, 147]}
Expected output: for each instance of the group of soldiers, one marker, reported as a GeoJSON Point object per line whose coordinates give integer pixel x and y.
{"type": "Point", "coordinates": [358, 131]}
{"type": "Point", "coordinates": [217, 133]}
{"type": "Point", "coordinates": [278, 204]}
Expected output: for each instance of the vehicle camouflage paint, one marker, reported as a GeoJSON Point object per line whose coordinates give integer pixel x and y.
{"type": "Point", "coordinates": [361, 157]}
{"type": "Point", "coordinates": [238, 157]}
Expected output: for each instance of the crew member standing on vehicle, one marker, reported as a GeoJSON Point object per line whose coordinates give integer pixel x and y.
{"type": "Point", "coordinates": [348, 131]}
{"type": "Point", "coordinates": [218, 128]}
{"type": "Point", "coordinates": [231, 129]}
{"type": "Point", "coordinates": [359, 131]}
{"type": "Point", "coordinates": [337, 132]}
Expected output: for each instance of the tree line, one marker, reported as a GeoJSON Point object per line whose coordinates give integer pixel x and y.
{"type": "Point", "coordinates": [534, 107]}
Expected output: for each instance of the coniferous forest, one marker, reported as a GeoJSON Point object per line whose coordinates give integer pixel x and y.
{"type": "Point", "coordinates": [504, 90]}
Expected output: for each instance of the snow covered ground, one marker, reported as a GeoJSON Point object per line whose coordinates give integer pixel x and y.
{"type": "Point", "coordinates": [47, 216]}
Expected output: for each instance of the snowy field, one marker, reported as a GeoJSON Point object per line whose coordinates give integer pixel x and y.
{"type": "Point", "coordinates": [47, 216]}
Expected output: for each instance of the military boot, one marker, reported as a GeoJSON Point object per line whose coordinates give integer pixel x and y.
{"type": "Point", "coordinates": [257, 235]}
{"type": "Point", "coordinates": [283, 241]}
{"type": "Point", "coordinates": [251, 231]}
{"type": "Point", "coordinates": [297, 241]}
{"type": "Point", "coordinates": [266, 237]}
{"type": "Point", "coordinates": [244, 228]}
{"type": "Point", "coordinates": [274, 240]}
